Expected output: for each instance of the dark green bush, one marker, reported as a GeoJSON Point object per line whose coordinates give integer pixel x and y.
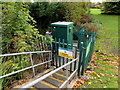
{"type": "Point", "coordinates": [46, 13]}
{"type": "Point", "coordinates": [111, 8]}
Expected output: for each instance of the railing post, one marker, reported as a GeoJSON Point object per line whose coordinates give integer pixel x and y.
{"type": "Point", "coordinates": [75, 57]}
{"type": "Point", "coordinates": [49, 64]}
{"type": "Point", "coordinates": [67, 76]}
{"type": "Point", "coordinates": [56, 51]}
{"type": "Point", "coordinates": [63, 47]}
{"type": "Point", "coordinates": [32, 64]}
{"type": "Point", "coordinates": [81, 52]}
{"type": "Point", "coordinates": [83, 59]}
{"type": "Point", "coordinates": [76, 66]}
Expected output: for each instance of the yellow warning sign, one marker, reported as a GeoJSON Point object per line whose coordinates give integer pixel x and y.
{"type": "Point", "coordinates": [65, 52]}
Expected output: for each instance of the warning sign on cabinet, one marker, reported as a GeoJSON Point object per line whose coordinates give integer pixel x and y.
{"type": "Point", "coordinates": [67, 53]}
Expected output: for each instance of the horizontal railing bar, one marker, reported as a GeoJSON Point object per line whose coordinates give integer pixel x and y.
{"type": "Point", "coordinates": [23, 53]}
{"type": "Point", "coordinates": [68, 78]}
{"type": "Point", "coordinates": [64, 44]}
{"type": "Point", "coordinates": [45, 76]}
{"type": "Point", "coordinates": [24, 69]}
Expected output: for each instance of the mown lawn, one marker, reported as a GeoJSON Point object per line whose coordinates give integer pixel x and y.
{"type": "Point", "coordinates": [108, 35]}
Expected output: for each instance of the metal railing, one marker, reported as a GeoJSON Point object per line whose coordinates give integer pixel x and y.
{"type": "Point", "coordinates": [52, 72]}
{"type": "Point", "coordinates": [32, 65]}
{"type": "Point", "coordinates": [86, 42]}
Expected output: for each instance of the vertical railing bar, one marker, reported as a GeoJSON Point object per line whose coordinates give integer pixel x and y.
{"type": "Point", "coordinates": [56, 52]}
{"type": "Point", "coordinates": [59, 56]}
{"type": "Point", "coordinates": [80, 57]}
{"type": "Point", "coordinates": [71, 60]}
{"type": "Point", "coordinates": [83, 59]}
{"type": "Point", "coordinates": [63, 57]}
{"type": "Point", "coordinates": [75, 57]}
{"type": "Point", "coordinates": [49, 59]}
{"type": "Point", "coordinates": [67, 48]}
{"type": "Point", "coordinates": [32, 64]}
{"type": "Point", "coordinates": [67, 76]}
{"type": "Point", "coordinates": [77, 66]}
{"type": "Point", "coordinates": [52, 62]}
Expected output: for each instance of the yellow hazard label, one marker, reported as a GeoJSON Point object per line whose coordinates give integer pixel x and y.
{"type": "Point", "coordinates": [65, 53]}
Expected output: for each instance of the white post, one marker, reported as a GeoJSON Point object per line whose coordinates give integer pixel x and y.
{"type": "Point", "coordinates": [32, 64]}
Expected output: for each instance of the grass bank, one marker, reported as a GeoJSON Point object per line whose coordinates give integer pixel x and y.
{"type": "Point", "coordinates": [102, 71]}
{"type": "Point", "coordinates": [108, 35]}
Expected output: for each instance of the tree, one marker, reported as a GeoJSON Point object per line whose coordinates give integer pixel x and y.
{"type": "Point", "coordinates": [45, 13]}
{"type": "Point", "coordinates": [111, 8]}
{"type": "Point", "coordinates": [18, 35]}
{"type": "Point", "coordinates": [74, 10]}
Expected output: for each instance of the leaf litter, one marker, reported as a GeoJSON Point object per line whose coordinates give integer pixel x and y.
{"type": "Point", "coordinates": [99, 58]}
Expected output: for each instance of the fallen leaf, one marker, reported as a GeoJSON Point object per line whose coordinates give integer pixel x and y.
{"type": "Point", "coordinates": [89, 83]}
{"type": "Point", "coordinates": [106, 60]}
{"type": "Point", "coordinates": [102, 53]}
{"type": "Point", "coordinates": [98, 75]}
{"type": "Point", "coordinates": [101, 74]}
{"type": "Point", "coordinates": [100, 80]}
{"type": "Point", "coordinates": [103, 69]}
{"type": "Point", "coordinates": [80, 82]}
{"type": "Point", "coordinates": [105, 87]}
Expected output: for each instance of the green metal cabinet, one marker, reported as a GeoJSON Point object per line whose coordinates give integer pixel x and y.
{"type": "Point", "coordinates": [63, 30]}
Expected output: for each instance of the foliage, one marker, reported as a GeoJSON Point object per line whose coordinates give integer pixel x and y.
{"type": "Point", "coordinates": [18, 35]}
{"type": "Point", "coordinates": [97, 5]}
{"type": "Point", "coordinates": [93, 26]}
{"type": "Point", "coordinates": [74, 10]}
{"type": "Point", "coordinates": [45, 13]}
{"type": "Point", "coordinates": [111, 8]}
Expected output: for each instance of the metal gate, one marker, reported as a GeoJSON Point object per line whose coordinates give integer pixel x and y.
{"type": "Point", "coordinates": [83, 51]}
{"type": "Point", "coordinates": [86, 45]}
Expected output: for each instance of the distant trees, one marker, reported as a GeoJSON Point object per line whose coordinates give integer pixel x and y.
{"type": "Point", "coordinates": [96, 5]}
{"type": "Point", "coordinates": [111, 8]}
{"type": "Point", "coordinates": [74, 10]}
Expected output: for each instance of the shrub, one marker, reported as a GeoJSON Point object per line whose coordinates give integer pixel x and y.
{"type": "Point", "coordinates": [111, 8]}
{"type": "Point", "coordinates": [85, 19]}
{"type": "Point", "coordinates": [92, 25]}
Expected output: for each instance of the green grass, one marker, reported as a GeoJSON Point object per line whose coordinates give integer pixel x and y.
{"type": "Point", "coordinates": [107, 40]}
{"type": "Point", "coordinates": [108, 35]}
{"type": "Point", "coordinates": [95, 11]}
{"type": "Point", "coordinates": [105, 74]}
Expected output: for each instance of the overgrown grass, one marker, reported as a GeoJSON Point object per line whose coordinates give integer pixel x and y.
{"type": "Point", "coordinates": [108, 35]}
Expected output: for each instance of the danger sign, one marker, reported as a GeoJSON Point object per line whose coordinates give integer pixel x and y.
{"type": "Point", "coordinates": [65, 52]}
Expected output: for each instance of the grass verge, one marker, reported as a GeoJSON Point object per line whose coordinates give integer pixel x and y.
{"type": "Point", "coordinates": [108, 35]}
{"type": "Point", "coordinates": [102, 72]}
